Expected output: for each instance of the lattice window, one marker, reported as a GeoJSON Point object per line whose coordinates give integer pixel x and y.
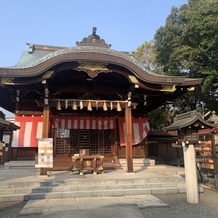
{"type": "Point", "coordinates": [63, 146]}
{"type": "Point", "coordinates": [94, 142]}
{"type": "Point", "coordinates": [74, 145]}
{"type": "Point", "coordinates": [108, 140]}
{"type": "Point", "coordinates": [102, 141]}
{"type": "Point", "coordinates": [62, 142]}
{"type": "Point", "coordinates": [69, 142]}
{"type": "Point", "coordinates": [84, 139]}
{"type": "Point", "coordinates": [191, 134]}
{"type": "Point", "coordinates": [181, 135]}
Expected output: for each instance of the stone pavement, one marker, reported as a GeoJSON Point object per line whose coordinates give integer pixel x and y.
{"type": "Point", "coordinates": [123, 206]}
{"type": "Point", "coordinates": [119, 206]}
{"type": "Point", "coordinates": [27, 174]}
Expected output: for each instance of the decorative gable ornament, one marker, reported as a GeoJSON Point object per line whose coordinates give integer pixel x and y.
{"type": "Point", "coordinates": [93, 40]}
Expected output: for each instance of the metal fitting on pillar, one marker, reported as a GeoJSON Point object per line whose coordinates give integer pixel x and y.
{"type": "Point", "coordinates": [18, 96]}
{"type": "Point", "coordinates": [46, 96]}
{"type": "Point", "coordinates": [129, 99]}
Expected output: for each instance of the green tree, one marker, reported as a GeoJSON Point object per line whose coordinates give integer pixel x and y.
{"type": "Point", "coordinates": [188, 45]}
{"type": "Point", "coordinates": [162, 116]}
{"type": "Point", "coordinates": [146, 55]}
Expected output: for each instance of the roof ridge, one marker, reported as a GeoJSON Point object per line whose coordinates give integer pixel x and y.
{"type": "Point", "coordinates": [40, 47]}
{"type": "Point", "coordinates": [188, 114]}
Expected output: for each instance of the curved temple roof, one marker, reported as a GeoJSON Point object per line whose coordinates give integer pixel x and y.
{"type": "Point", "coordinates": [187, 119]}
{"type": "Point", "coordinates": [40, 58]}
{"type": "Point", "coordinates": [8, 125]}
{"type": "Point", "coordinates": [91, 66]}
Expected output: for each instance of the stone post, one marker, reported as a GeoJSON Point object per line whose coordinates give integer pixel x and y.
{"type": "Point", "coordinates": [190, 174]}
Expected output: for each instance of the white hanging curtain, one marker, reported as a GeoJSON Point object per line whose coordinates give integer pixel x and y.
{"type": "Point", "coordinates": [140, 130]}
{"type": "Point", "coordinates": [29, 132]}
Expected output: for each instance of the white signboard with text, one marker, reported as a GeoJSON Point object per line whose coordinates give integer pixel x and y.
{"type": "Point", "coordinates": [45, 153]}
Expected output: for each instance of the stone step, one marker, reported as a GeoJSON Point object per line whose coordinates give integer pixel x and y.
{"type": "Point", "coordinates": [92, 193]}
{"type": "Point", "coordinates": [93, 182]}
{"type": "Point", "coordinates": [19, 165]}
{"type": "Point", "coordinates": [90, 188]}
{"type": "Point", "coordinates": [154, 180]}
{"type": "Point", "coordinates": [73, 188]}
{"type": "Point", "coordinates": [138, 162]}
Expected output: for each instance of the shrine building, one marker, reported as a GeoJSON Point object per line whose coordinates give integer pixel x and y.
{"type": "Point", "coordinates": [89, 99]}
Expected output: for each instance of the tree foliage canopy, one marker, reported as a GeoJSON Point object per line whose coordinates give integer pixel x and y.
{"type": "Point", "coordinates": [146, 54]}
{"type": "Point", "coordinates": [188, 45]}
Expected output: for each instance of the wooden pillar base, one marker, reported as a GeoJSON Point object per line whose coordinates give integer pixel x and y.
{"type": "Point", "coordinates": [43, 171]}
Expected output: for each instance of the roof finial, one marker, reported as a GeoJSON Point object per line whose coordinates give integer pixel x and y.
{"type": "Point", "coordinates": [94, 30]}
{"type": "Point", "coordinates": [93, 40]}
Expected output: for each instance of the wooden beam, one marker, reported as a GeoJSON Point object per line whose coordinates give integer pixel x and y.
{"type": "Point", "coordinates": [129, 156]}
{"type": "Point", "coordinates": [45, 131]}
{"type": "Point", "coordinates": [28, 113]}
{"type": "Point", "coordinates": [83, 89]}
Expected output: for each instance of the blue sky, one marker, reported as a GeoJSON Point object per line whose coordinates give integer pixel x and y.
{"type": "Point", "coordinates": [124, 24]}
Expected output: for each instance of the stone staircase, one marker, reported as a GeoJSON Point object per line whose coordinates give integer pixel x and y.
{"type": "Point", "coordinates": [138, 162]}
{"type": "Point", "coordinates": [24, 191]}
{"type": "Point", "coordinates": [19, 164]}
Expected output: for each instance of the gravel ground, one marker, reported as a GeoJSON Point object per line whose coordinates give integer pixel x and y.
{"type": "Point", "coordinates": [178, 207]}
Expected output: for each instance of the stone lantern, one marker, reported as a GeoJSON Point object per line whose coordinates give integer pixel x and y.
{"type": "Point", "coordinates": [187, 126]}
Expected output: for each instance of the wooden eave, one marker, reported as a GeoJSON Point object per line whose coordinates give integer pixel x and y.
{"type": "Point", "coordinates": [189, 121]}
{"type": "Point", "coordinates": [208, 131]}
{"type": "Point", "coordinates": [8, 125]}
{"type": "Point", "coordinates": [192, 82]}
{"type": "Point", "coordinates": [162, 136]}
{"type": "Point", "coordinates": [90, 67]}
